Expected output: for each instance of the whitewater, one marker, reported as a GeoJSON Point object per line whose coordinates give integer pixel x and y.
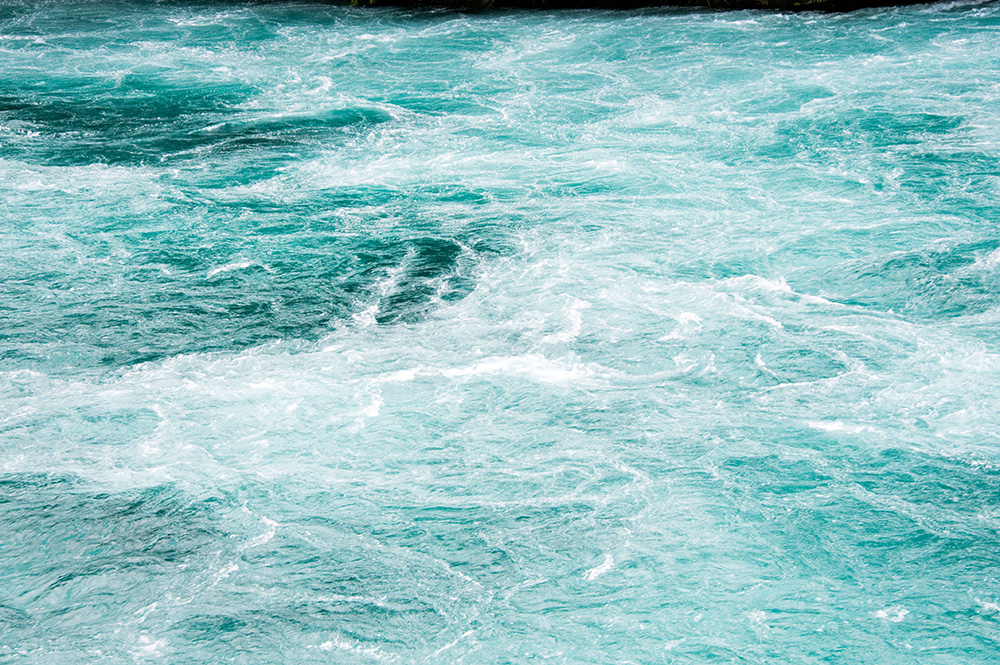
{"type": "Point", "coordinates": [337, 334]}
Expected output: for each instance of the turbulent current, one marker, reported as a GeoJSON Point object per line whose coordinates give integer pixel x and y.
{"type": "Point", "coordinates": [351, 335]}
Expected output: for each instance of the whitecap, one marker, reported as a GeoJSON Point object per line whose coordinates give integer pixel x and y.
{"type": "Point", "coordinates": [597, 571]}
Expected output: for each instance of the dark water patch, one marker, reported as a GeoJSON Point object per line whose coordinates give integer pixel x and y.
{"type": "Point", "coordinates": [456, 194]}
{"type": "Point", "coordinates": [156, 119]}
{"type": "Point", "coordinates": [268, 131]}
{"type": "Point", "coordinates": [893, 128]}
{"type": "Point", "coordinates": [859, 129]}
{"type": "Point", "coordinates": [796, 475]}
{"type": "Point", "coordinates": [328, 579]}
{"type": "Point", "coordinates": [82, 25]}
{"type": "Point", "coordinates": [113, 541]}
{"type": "Point", "coordinates": [14, 618]}
{"type": "Point", "coordinates": [59, 104]}
{"type": "Point", "coordinates": [309, 214]}
{"type": "Point", "coordinates": [446, 103]}
{"type": "Point", "coordinates": [934, 162]}
{"type": "Point", "coordinates": [875, 524]}
{"type": "Point", "coordinates": [182, 293]}
{"type": "Point", "coordinates": [83, 121]}
{"type": "Point", "coordinates": [954, 182]}
{"type": "Point", "coordinates": [920, 479]}
{"type": "Point", "coordinates": [80, 558]}
{"type": "Point", "coordinates": [787, 99]}
{"type": "Point", "coordinates": [937, 281]}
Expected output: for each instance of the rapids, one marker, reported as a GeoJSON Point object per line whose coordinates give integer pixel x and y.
{"type": "Point", "coordinates": [351, 335]}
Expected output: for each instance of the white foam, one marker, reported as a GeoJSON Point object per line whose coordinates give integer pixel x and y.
{"type": "Point", "coordinates": [532, 365]}
{"type": "Point", "coordinates": [839, 426]}
{"type": "Point", "coordinates": [146, 611]}
{"type": "Point", "coordinates": [988, 606]}
{"type": "Point", "coordinates": [235, 265]}
{"type": "Point", "coordinates": [325, 84]}
{"type": "Point", "coordinates": [453, 642]}
{"type": "Point", "coordinates": [574, 317]}
{"type": "Point", "coordinates": [374, 407]}
{"type": "Point", "coordinates": [264, 538]}
{"type": "Point", "coordinates": [597, 571]}
{"type": "Point", "coordinates": [343, 644]}
{"type": "Point", "coordinates": [366, 317]}
{"type": "Point", "coordinates": [149, 648]}
{"type": "Point", "coordinates": [989, 262]}
{"type": "Point", "coordinates": [891, 614]}
{"type": "Point", "coordinates": [225, 572]}
{"type": "Point", "coordinates": [400, 376]}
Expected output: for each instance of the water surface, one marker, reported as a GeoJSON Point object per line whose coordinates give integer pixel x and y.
{"type": "Point", "coordinates": [336, 335]}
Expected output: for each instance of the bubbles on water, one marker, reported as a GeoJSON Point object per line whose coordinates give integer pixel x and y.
{"type": "Point", "coordinates": [406, 336]}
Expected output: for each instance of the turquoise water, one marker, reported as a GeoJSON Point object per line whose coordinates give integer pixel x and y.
{"type": "Point", "coordinates": [332, 335]}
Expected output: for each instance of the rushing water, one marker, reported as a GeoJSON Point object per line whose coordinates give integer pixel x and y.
{"type": "Point", "coordinates": [336, 335]}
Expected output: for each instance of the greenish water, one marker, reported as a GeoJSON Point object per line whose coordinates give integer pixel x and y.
{"type": "Point", "coordinates": [332, 335]}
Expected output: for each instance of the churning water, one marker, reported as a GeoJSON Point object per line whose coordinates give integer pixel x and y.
{"type": "Point", "coordinates": [337, 335]}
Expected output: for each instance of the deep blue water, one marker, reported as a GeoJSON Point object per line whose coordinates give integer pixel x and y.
{"type": "Point", "coordinates": [341, 335]}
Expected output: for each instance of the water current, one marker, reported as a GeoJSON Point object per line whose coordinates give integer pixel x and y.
{"type": "Point", "coordinates": [351, 335]}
